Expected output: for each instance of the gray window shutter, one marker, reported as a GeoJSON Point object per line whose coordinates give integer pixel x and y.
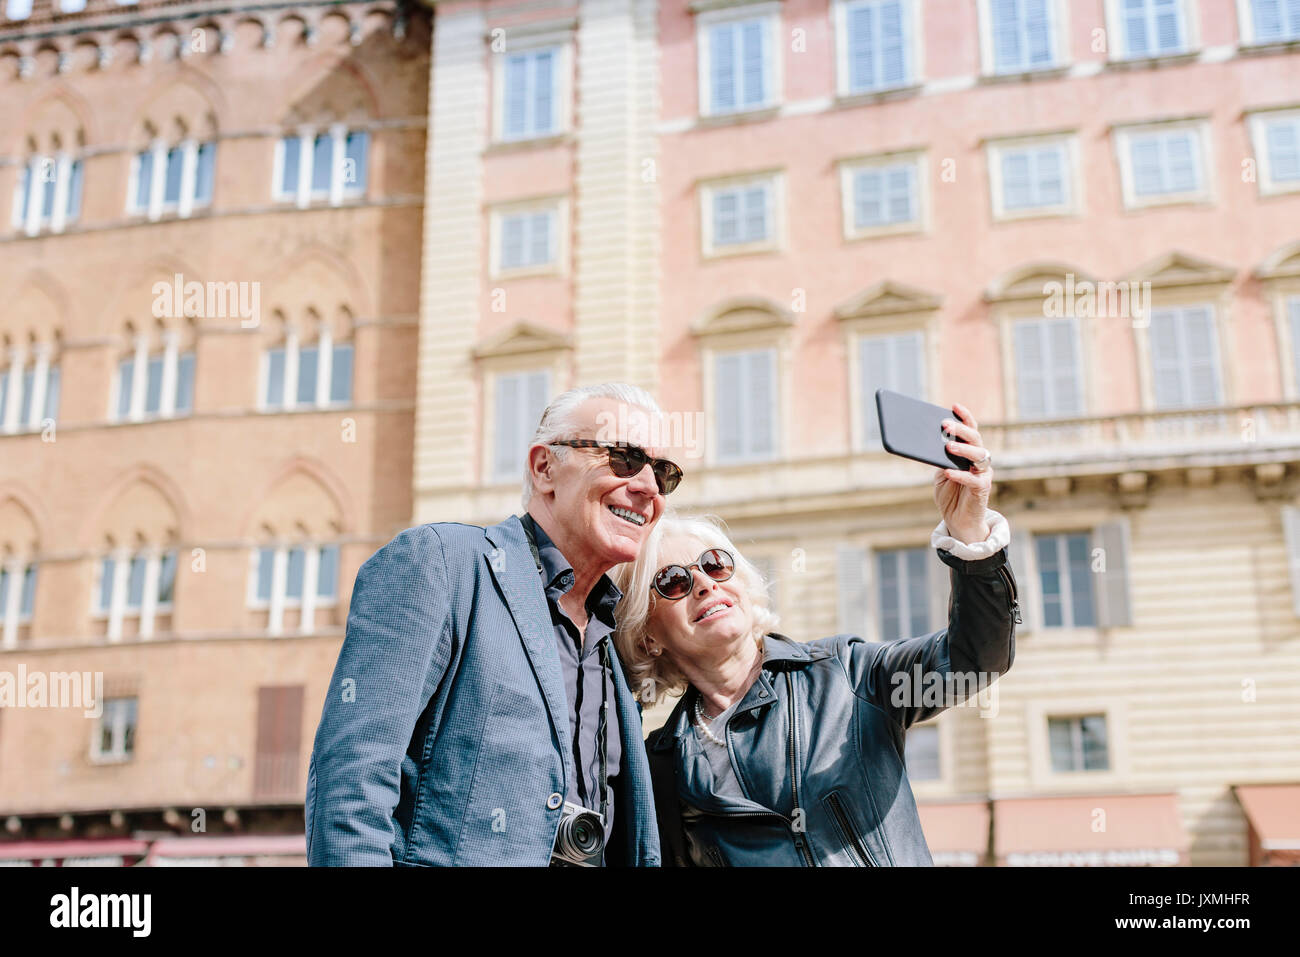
{"type": "Point", "coordinates": [1166, 361]}
{"type": "Point", "coordinates": [539, 394]}
{"type": "Point", "coordinates": [1291, 527]}
{"type": "Point", "coordinates": [729, 422]}
{"type": "Point", "coordinates": [505, 437]}
{"type": "Point", "coordinates": [873, 355]}
{"type": "Point", "coordinates": [1114, 603]}
{"type": "Point", "coordinates": [1025, 569]}
{"type": "Point", "coordinates": [1066, 390]}
{"type": "Point", "coordinates": [761, 396]}
{"type": "Point", "coordinates": [853, 586]}
{"type": "Point", "coordinates": [1031, 370]}
{"type": "Point", "coordinates": [1202, 355]}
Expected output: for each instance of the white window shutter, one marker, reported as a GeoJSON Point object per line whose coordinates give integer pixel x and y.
{"type": "Point", "coordinates": [1025, 570]}
{"type": "Point", "coordinates": [761, 394]}
{"type": "Point", "coordinates": [1066, 388]}
{"type": "Point", "coordinates": [729, 425]}
{"type": "Point", "coordinates": [1202, 356]}
{"type": "Point", "coordinates": [505, 436]}
{"type": "Point", "coordinates": [1166, 362]}
{"type": "Point", "coordinates": [1114, 602]}
{"type": "Point", "coordinates": [1031, 370]}
{"type": "Point", "coordinates": [1291, 528]}
{"type": "Point", "coordinates": [873, 355]}
{"type": "Point", "coordinates": [853, 588]}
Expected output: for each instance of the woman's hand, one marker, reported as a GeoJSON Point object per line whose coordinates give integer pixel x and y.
{"type": "Point", "coordinates": [963, 496]}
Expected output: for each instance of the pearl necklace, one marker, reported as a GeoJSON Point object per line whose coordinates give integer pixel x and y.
{"type": "Point", "coordinates": [703, 725]}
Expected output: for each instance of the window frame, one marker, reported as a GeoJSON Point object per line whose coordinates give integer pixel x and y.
{"type": "Point", "coordinates": [97, 754]}
{"type": "Point", "coordinates": [1117, 26]}
{"type": "Point", "coordinates": [776, 241]}
{"type": "Point", "coordinates": [1246, 28]}
{"type": "Point", "coordinates": [1058, 10]}
{"type": "Point", "coordinates": [558, 209]}
{"type": "Point", "coordinates": [1068, 144]}
{"type": "Point", "coordinates": [1083, 371]}
{"type": "Point", "coordinates": [712, 354]}
{"type": "Point", "coordinates": [1205, 192]}
{"type": "Point", "coordinates": [1259, 122]}
{"type": "Point", "coordinates": [562, 84]}
{"type": "Point", "coordinates": [769, 14]}
{"type": "Point", "coordinates": [913, 48]}
{"type": "Point", "coordinates": [850, 167]}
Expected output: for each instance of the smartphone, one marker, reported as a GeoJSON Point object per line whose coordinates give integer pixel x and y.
{"type": "Point", "coordinates": [914, 429]}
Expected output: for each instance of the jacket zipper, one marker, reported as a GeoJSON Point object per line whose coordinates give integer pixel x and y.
{"type": "Point", "coordinates": [855, 841]}
{"type": "Point", "coordinates": [794, 769]}
{"type": "Point", "coordinates": [1011, 591]}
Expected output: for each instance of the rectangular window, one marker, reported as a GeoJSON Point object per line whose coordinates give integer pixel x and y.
{"type": "Point", "coordinates": [135, 583]}
{"type": "Point", "coordinates": [1275, 21]}
{"type": "Point", "coordinates": [1184, 358]}
{"type": "Point", "coordinates": [25, 405]}
{"type": "Point", "coordinates": [745, 403]}
{"type": "Point", "coordinates": [125, 379]}
{"type": "Point", "coordinates": [1078, 743]}
{"type": "Point", "coordinates": [1065, 580]}
{"type": "Point", "coordinates": [356, 157]}
{"type": "Point", "coordinates": [328, 573]}
{"type": "Point", "coordinates": [529, 95]}
{"type": "Point", "coordinates": [22, 196]}
{"type": "Point", "coordinates": [143, 180]}
{"type": "Point", "coordinates": [1022, 35]}
{"type": "Point", "coordinates": [894, 362]}
{"type": "Point", "coordinates": [107, 569]}
{"type": "Point", "coordinates": [274, 395]}
{"type": "Point", "coordinates": [290, 157]}
{"type": "Point", "coordinates": [738, 71]}
{"type": "Point", "coordinates": [1152, 27]}
{"type": "Point", "coordinates": [885, 196]}
{"type": "Point", "coordinates": [903, 593]}
{"type": "Point", "coordinates": [49, 181]}
{"type": "Point", "coordinates": [520, 399]}
{"type": "Point", "coordinates": [184, 382]}
{"type": "Point", "coordinates": [1048, 381]}
{"type": "Point", "coordinates": [341, 372]}
{"type": "Point", "coordinates": [293, 576]}
{"type": "Point", "coordinates": [322, 164]}
{"type": "Point", "coordinates": [52, 386]}
{"type": "Point", "coordinates": [307, 367]}
{"type": "Point", "coordinates": [172, 182]}
{"type": "Point", "coordinates": [527, 239]}
{"type": "Point", "coordinates": [72, 211]}
{"type": "Point", "coordinates": [27, 600]}
{"type": "Point", "coordinates": [204, 174]}
{"type": "Point", "coordinates": [1276, 137]}
{"type": "Point", "coordinates": [166, 579]}
{"type": "Point", "coordinates": [1166, 164]}
{"type": "Point", "coordinates": [115, 734]}
{"type": "Point", "coordinates": [741, 214]}
{"type": "Point", "coordinates": [1034, 177]}
{"type": "Point", "coordinates": [265, 574]}
{"type": "Point", "coordinates": [876, 45]}
{"type": "Point", "coordinates": [153, 385]}
{"type": "Point", "coordinates": [921, 752]}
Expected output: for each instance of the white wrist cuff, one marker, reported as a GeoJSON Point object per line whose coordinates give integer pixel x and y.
{"type": "Point", "coordinates": [999, 538]}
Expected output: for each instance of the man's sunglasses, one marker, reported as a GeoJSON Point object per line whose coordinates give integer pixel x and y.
{"type": "Point", "coordinates": [675, 581]}
{"type": "Point", "coordinates": [628, 460]}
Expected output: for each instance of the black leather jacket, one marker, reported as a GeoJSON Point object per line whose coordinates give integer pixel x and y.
{"type": "Point", "coordinates": [817, 741]}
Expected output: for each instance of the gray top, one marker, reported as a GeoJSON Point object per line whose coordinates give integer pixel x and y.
{"type": "Point", "coordinates": [725, 782]}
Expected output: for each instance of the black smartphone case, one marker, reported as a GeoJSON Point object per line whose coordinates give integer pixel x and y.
{"type": "Point", "coordinates": [914, 429]}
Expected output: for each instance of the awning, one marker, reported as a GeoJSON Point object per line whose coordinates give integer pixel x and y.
{"type": "Point", "coordinates": [1273, 812]}
{"type": "Point", "coordinates": [229, 850]}
{"type": "Point", "coordinates": [1103, 830]}
{"type": "Point", "coordinates": [109, 852]}
{"type": "Point", "coordinates": [958, 833]}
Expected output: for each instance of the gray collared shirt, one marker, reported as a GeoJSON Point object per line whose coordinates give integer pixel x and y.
{"type": "Point", "coordinates": [580, 660]}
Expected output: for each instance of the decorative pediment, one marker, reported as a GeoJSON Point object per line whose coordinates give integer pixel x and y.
{"type": "Point", "coordinates": [1179, 269]}
{"type": "Point", "coordinates": [887, 298]}
{"type": "Point", "coordinates": [743, 314]}
{"type": "Point", "coordinates": [523, 337]}
{"type": "Point", "coordinates": [1283, 264]}
{"type": "Point", "coordinates": [1032, 281]}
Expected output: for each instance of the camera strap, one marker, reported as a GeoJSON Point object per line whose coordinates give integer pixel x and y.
{"type": "Point", "coordinates": [606, 671]}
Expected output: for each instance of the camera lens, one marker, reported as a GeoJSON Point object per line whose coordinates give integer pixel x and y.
{"type": "Point", "coordinates": [581, 836]}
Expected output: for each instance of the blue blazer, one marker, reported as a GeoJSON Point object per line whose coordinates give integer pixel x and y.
{"type": "Point", "coordinates": [445, 733]}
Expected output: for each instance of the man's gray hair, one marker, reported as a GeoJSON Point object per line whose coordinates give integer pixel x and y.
{"type": "Point", "coordinates": [558, 420]}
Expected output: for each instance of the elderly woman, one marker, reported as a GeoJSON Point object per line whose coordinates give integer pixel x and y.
{"type": "Point", "coordinates": [788, 753]}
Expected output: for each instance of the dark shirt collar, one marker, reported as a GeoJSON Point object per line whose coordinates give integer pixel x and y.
{"type": "Point", "coordinates": [558, 574]}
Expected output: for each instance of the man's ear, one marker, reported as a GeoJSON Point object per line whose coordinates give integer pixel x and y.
{"type": "Point", "coordinates": [540, 466]}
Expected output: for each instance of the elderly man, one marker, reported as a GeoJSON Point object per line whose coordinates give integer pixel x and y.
{"type": "Point", "coordinates": [478, 713]}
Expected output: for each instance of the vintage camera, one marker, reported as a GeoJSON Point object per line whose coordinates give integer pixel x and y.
{"type": "Point", "coordinates": [580, 839]}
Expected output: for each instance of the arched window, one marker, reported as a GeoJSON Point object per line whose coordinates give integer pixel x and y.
{"type": "Point", "coordinates": [19, 548]}
{"type": "Point", "coordinates": [29, 385]}
{"type": "Point", "coordinates": [308, 366]}
{"type": "Point", "coordinates": [173, 173]}
{"type": "Point", "coordinates": [48, 194]}
{"type": "Point", "coordinates": [134, 590]}
{"type": "Point", "coordinates": [321, 164]}
{"type": "Point", "coordinates": [155, 378]}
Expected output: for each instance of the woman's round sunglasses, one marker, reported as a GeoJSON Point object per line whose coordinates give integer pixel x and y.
{"type": "Point", "coordinates": [675, 581]}
{"type": "Point", "coordinates": [628, 460]}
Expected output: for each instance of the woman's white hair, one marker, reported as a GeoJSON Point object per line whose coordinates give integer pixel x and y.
{"type": "Point", "coordinates": [558, 420]}
{"type": "Point", "coordinates": [653, 676]}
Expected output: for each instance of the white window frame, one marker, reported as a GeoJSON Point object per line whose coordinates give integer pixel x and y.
{"type": "Point", "coordinates": [901, 552]}
{"type": "Point", "coordinates": [849, 168]}
{"type": "Point", "coordinates": [1043, 778]}
{"type": "Point", "coordinates": [293, 344]}
{"type": "Point", "coordinates": [119, 608]}
{"type": "Point", "coordinates": [773, 67]}
{"type": "Point", "coordinates": [1222, 365]}
{"type": "Point", "coordinates": [43, 367]}
{"type": "Point", "coordinates": [489, 464]}
{"type": "Point", "coordinates": [774, 180]}
{"type": "Point", "coordinates": [29, 183]}
{"type": "Point", "coordinates": [279, 600]}
{"type": "Point", "coordinates": [1068, 622]}
{"type": "Point", "coordinates": [1082, 359]}
{"type": "Point", "coordinates": [338, 190]}
{"type": "Point", "coordinates": [1259, 123]}
{"type": "Point", "coordinates": [157, 206]}
{"type": "Point", "coordinates": [11, 611]}
{"type": "Point", "coordinates": [864, 405]}
{"type": "Point", "coordinates": [561, 86]}
{"type": "Point", "coordinates": [779, 399]}
{"type": "Point", "coordinates": [1067, 143]}
{"type": "Point", "coordinates": [170, 386]}
{"type": "Point", "coordinates": [1058, 10]}
{"type": "Point", "coordinates": [558, 208]}
{"type": "Point", "coordinates": [1116, 31]}
{"type": "Point", "coordinates": [1246, 26]}
{"type": "Point", "coordinates": [1204, 193]}
{"type": "Point", "coordinates": [117, 756]}
{"type": "Point", "coordinates": [913, 45]}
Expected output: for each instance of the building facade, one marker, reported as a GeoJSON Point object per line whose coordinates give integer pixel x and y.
{"type": "Point", "coordinates": [1078, 217]}
{"type": "Point", "coordinates": [211, 272]}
